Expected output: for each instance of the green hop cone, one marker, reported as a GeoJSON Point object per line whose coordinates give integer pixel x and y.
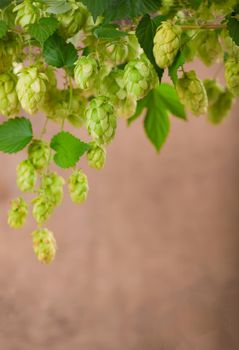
{"type": "Point", "coordinates": [31, 88]}
{"type": "Point", "coordinates": [28, 12]}
{"type": "Point", "coordinates": [134, 49]}
{"type": "Point", "coordinates": [78, 187]}
{"type": "Point", "coordinates": [101, 120]}
{"type": "Point", "coordinates": [220, 109]}
{"type": "Point", "coordinates": [39, 153]}
{"type": "Point", "coordinates": [166, 44]}
{"type": "Point", "coordinates": [113, 86]}
{"type": "Point", "coordinates": [42, 208]}
{"type": "Point", "coordinates": [208, 46]}
{"type": "Point", "coordinates": [10, 48]}
{"type": "Point", "coordinates": [213, 90]}
{"type": "Point", "coordinates": [117, 52]}
{"type": "Point", "coordinates": [232, 75]}
{"type": "Point", "coordinates": [74, 20]}
{"type": "Point", "coordinates": [52, 187]}
{"type": "Point", "coordinates": [140, 77]}
{"type": "Point", "coordinates": [192, 93]}
{"type": "Point", "coordinates": [126, 108]}
{"type": "Point", "coordinates": [9, 104]}
{"type": "Point", "coordinates": [26, 176]}
{"type": "Point", "coordinates": [86, 70]}
{"type": "Point", "coordinates": [44, 245]}
{"type": "Point", "coordinates": [18, 213]}
{"type": "Point", "coordinates": [96, 156]}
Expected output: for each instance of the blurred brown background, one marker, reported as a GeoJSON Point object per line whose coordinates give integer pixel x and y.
{"type": "Point", "coordinates": [150, 262]}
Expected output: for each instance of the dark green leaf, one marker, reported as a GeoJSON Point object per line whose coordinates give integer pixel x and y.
{"type": "Point", "coordinates": [178, 62]}
{"type": "Point", "coordinates": [97, 7]}
{"type": "Point", "coordinates": [4, 3]}
{"type": "Point", "coordinates": [58, 53]}
{"type": "Point", "coordinates": [233, 28]}
{"type": "Point", "coordinates": [42, 30]}
{"type": "Point", "coordinates": [3, 28]}
{"type": "Point", "coordinates": [57, 6]}
{"type": "Point", "coordinates": [68, 149]}
{"type": "Point", "coordinates": [108, 32]}
{"type": "Point", "coordinates": [169, 97]}
{"type": "Point", "coordinates": [145, 33]}
{"type": "Point", "coordinates": [15, 134]}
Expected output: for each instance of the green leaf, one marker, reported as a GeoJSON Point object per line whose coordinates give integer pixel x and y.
{"type": "Point", "coordinates": [233, 28]}
{"type": "Point", "coordinates": [145, 33]}
{"type": "Point", "coordinates": [121, 9]}
{"type": "Point", "coordinates": [3, 28]}
{"type": "Point", "coordinates": [108, 32]}
{"type": "Point", "coordinates": [42, 30]}
{"type": "Point", "coordinates": [178, 62]}
{"type": "Point", "coordinates": [156, 122]}
{"type": "Point", "coordinates": [170, 99]}
{"type": "Point", "coordinates": [4, 3]}
{"type": "Point", "coordinates": [140, 107]}
{"type": "Point", "coordinates": [15, 134]}
{"type": "Point", "coordinates": [58, 53]}
{"type": "Point", "coordinates": [68, 149]}
{"type": "Point", "coordinates": [57, 6]}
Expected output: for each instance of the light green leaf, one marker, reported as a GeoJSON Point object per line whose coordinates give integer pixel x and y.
{"type": "Point", "coordinates": [15, 134]}
{"type": "Point", "coordinates": [108, 32]}
{"type": "Point", "coordinates": [4, 3]}
{"type": "Point", "coordinates": [68, 149]}
{"type": "Point", "coordinates": [3, 28]}
{"type": "Point", "coordinates": [169, 97]}
{"type": "Point", "coordinates": [42, 30]}
{"type": "Point", "coordinates": [178, 62]}
{"type": "Point", "coordinates": [57, 6]}
{"type": "Point", "coordinates": [58, 53]}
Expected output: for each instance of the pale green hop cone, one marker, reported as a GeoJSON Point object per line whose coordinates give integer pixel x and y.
{"type": "Point", "coordinates": [166, 43]}
{"type": "Point", "coordinates": [72, 21]}
{"type": "Point", "coordinates": [10, 48]}
{"type": "Point", "coordinates": [101, 120]}
{"type": "Point", "coordinates": [213, 90]}
{"type": "Point", "coordinates": [96, 156]}
{"type": "Point", "coordinates": [9, 104]}
{"type": "Point", "coordinates": [42, 208]}
{"type": "Point", "coordinates": [192, 93]}
{"type": "Point", "coordinates": [232, 75]}
{"type": "Point", "coordinates": [44, 245]}
{"type": "Point", "coordinates": [208, 47]}
{"type": "Point", "coordinates": [85, 72]}
{"type": "Point", "coordinates": [18, 213]}
{"type": "Point", "coordinates": [52, 187]}
{"type": "Point", "coordinates": [140, 77]}
{"type": "Point", "coordinates": [78, 187]}
{"type": "Point", "coordinates": [28, 12]}
{"type": "Point", "coordinates": [39, 153]}
{"type": "Point", "coordinates": [26, 176]}
{"type": "Point", "coordinates": [221, 108]}
{"type": "Point", "coordinates": [31, 88]}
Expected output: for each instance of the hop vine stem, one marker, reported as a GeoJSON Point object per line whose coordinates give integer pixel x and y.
{"type": "Point", "coordinates": [203, 26]}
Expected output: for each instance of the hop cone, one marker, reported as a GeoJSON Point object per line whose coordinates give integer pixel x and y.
{"type": "Point", "coordinates": [192, 93]}
{"type": "Point", "coordinates": [85, 72]}
{"type": "Point", "coordinates": [42, 208]}
{"type": "Point", "coordinates": [9, 104]}
{"type": "Point", "coordinates": [31, 88]}
{"type": "Point", "coordinates": [232, 75]}
{"type": "Point", "coordinates": [113, 86]}
{"type": "Point", "coordinates": [140, 77]}
{"type": "Point", "coordinates": [117, 52]}
{"type": "Point", "coordinates": [166, 44]}
{"type": "Point", "coordinates": [134, 49]}
{"type": "Point", "coordinates": [78, 186]}
{"type": "Point", "coordinates": [52, 187]}
{"type": "Point", "coordinates": [44, 245]}
{"type": "Point", "coordinates": [27, 13]}
{"type": "Point", "coordinates": [10, 48]}
{"type": "Point", "coordinates": [26, 176]}
{"type": "Point", "coordinates": [74, 20]}
{"type": "Point", "coordinates": [101, 120]}
{"type": "Point", "coordinates": [213, 90]}
{"type": "Point", "coordinates": [96, 156]}
{"type": "Point", "coordinates": [220, 109]}
{"type": "Point", "coordinates": [18, 213]}
{"type": "Point", "coordinates": [127, 107]}
{"type": "Point", "coordinates": [208, 46]}
{"type": "Point", "coordinates": [39, 154]}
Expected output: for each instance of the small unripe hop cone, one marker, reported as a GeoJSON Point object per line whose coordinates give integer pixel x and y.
{"type": "Point", "coordinates": [9, 104]}
{"type": "Point", "coordinates": [39, 154]}
{"type": "Point", "coordinates": [18, 213]}
{"type": "Point", "coordinates": [44, 245]}
{"type": "Point", "coordinates": [85, 72]}
{"type": "Point", "coordinates": [192, 93]}
{"type": "Point", "coordinates": [26, 176]}
{"type": "Point", "coordinates": [27, 13]}
{"type": "Point", "coordinates": [232, 75]}
{"type": "Point", "coordinates": [78, 187]}
{"type": "Point", "coordinates": [166, 44]}
{"type": "Point", "coordinates": [96, 156]}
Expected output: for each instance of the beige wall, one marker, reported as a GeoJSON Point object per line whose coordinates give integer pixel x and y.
{"type": "Point", "coordinates": [150, 262]}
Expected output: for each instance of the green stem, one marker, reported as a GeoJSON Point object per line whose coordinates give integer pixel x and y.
{"type": "Point", "coordinates": [203, 26]}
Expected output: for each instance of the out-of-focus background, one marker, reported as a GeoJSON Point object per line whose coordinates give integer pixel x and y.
{"type": "Point", "coordinates": [149, 262]}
